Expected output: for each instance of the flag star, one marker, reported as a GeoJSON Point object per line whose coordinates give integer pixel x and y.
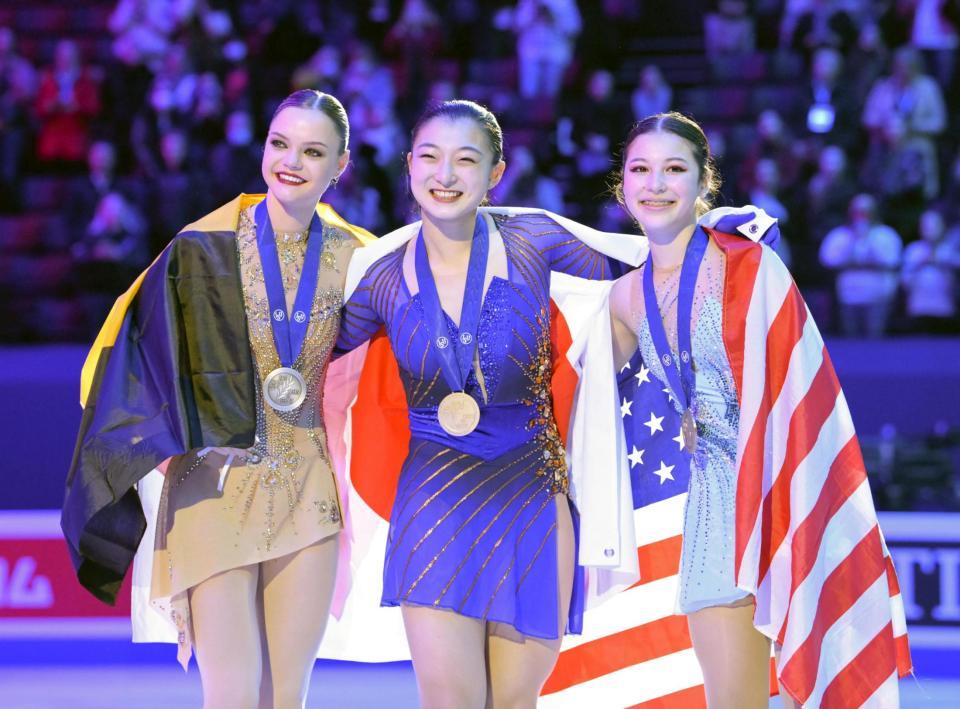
{"type": "Point", "coordinates": [664, 473]}
{"type": "Point", "coordinates": [636, 457]}
{"type": "Point", "coordinates": [643, 375]}
{"type": "Point", "coordinates": [655, 423]}
{"type": "Point", "coordinates": [669, 393]}
{"type": "Point", "coordinates": [625, 367]}
{"type": "Point", "coordinates": [625, 408]}
{"type": "Point", "coordinates": [679, 438]}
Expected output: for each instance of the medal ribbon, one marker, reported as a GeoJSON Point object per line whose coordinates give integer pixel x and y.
{"type": "Point", "coordinates": [682, 381]}
{"type": "Point", "coordinates": [456, 358]}
{"type": "Point", "coordinates": [289, 329]}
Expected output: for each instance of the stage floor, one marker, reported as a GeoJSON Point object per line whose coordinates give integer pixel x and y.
{"type": "Point", "coordinates": [341, 685]}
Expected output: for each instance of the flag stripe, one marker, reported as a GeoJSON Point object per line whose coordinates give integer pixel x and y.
{"type": "Point", "coordinates": [845, 584]}
{"type": "Point", "coordinates": [689, 698]}
{"type": "Point", "coordinates": [659, 560]}
{"type": "Point", "coordinates": [854, 684]}
{"type": "Point", "coordinates": [842, 480]}
{"type": "Point", "coordinates": [618, 651]}
{"type": "Point", "coordinates": [805, 425]}
{"type": "Point", "coordinates": [784, 334]}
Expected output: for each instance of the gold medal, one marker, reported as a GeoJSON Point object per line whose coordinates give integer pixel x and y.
{"type": "Point", "coordinates": [688, 427]}
{"type": "Point", "coordinates": [284, 389]}
{"type": "Point", "coordinates": [459, 413]}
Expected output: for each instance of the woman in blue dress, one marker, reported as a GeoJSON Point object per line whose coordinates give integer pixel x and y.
{"type": "Point", "coordinates": [481, 550]}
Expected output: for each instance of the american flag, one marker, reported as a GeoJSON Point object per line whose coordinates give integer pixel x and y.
{"type": "Point", "coordinates": [807, 540]}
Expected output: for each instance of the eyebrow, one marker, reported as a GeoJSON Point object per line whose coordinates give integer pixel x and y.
{"type": "Point", "coordinates": [308, 142]}
{"type": "Point", "coordinates": [642, 159]}
{"type": "Point", "coordinates": [462, 147]}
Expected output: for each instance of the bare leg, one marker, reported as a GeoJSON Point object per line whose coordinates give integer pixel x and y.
{"type": "Point", "coordinates": [227, 638]}
{"type": "Point", "coordinates": [297, 590]}
{"type": "Point", "coordinates": [520, 665]}
{"type": "Point", "coordinates": [448, 657]}
{"type": "Point", "coordinates": [734, 657]}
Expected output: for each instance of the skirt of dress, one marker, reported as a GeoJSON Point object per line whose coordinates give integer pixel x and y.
{"type": "Point", "coordinates": [203, 531]}
{"type": "Point", "coordinates": [478, 538]}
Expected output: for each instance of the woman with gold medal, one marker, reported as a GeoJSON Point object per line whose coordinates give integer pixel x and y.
{"type": "Point", "coordinates": [215, 362]}
{"type": "Point", "coordinates": [480, 555]}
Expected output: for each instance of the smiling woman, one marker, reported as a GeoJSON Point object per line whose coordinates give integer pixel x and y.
{"type": "Point", "coordinates": [212, 369]}
{"type": "Point", "coordinates": [481, 551]}
{"type": "Point", "coordinates": [767, 437]}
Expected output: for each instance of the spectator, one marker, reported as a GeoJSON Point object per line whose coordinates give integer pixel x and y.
{"type": "Point", "coordinates": [829, 192]}
{"type": "Point", "coordinates": [235, 161]}
{"type": "Point", "coordinates": [729, 29]}
{"type": "Point", "coordinates": [934, 33]}
{"type": "Point", "coordinates": [143, 28]}
{"type": "Point", "coordinates": [17, 90]}
{"type": "Point", "coordinates": [765, 193]}
{"type": "Point", "coordinates": [111, 252]}
{"type": "Point", "coordinates": [101, 179]}
{"type": "Point", "coordinates": [866, 61]}
{"type": "Point", "coordinates": [206, 120]}
{"type": "Point", "coordinates": [896, 171]}
{"type": "Point", "coordinates": [546, 32]}
{"type": "Point", "coordinates": [523, 185]}
{"type": "Point", "coordinates": [865, 255]}
{"type": "Point", "coordinates": [414, 43]}
{"type": "Point", "coordinates": [179, 191]}
{"type": "Point", "coordinates": [917, 99]}
{"type": "Point", "coordinates": [831, 109]}
{"type": "Point", "coordinates": [653, 94]}
{"type": "Point", "coordinates": [601, 113]}
{"type": "Point", "coordinates": [929, 278]}
{"type": "Point", "coordinates": [773, 140]}
{"type": "Point", "coordinates": [67, 101]}
{"type": "Point", "coordinates": [321, 72]}
{"type": "Point", "coordinates": [824, 24]}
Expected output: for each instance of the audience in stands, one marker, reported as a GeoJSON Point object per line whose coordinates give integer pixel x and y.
{"type": "Point", "coordinates": [546, 32]}
{"type": "Point", "coordinates": [175, 111]}
{"type": "Point", "coordinates": [653, 94]}
{"type": "Point", "coordinates": [68, 99]}
{"type": "Point", "coordinates": [929, 276]}
{"type": "Point", "coordinates": [865, 255]}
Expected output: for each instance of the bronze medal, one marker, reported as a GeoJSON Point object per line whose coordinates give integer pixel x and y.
{"type": "Point", "coordinates": [458, 413]}
{"type": "Point", "coordinates": [688, 427]}
{"type": "Point", "coordinates": [284, 389]}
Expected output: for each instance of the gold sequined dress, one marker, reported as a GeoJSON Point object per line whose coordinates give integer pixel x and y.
{"type": "Point", "coordinates": [283, 496]}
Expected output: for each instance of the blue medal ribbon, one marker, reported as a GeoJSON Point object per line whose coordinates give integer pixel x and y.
{"type": "Point", "coordinates": [289, 329]}
{"type": "Point", "coordinates": [682, 380]}
{"type": "Point", "coordinates": [456, 357]}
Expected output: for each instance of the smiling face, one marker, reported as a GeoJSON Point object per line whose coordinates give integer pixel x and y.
{"type": "Point", "coordinates": [661, 184]}
{"type": "Point", "coordinates": [451, 168]}
{"type": "Point", "coordinates": [301, 156]}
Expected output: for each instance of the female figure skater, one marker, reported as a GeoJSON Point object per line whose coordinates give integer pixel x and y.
{"type": "Point", "coordinates": [721, 326]}
{"type": "Point", "coordinates": [219, 367]}
{"type": "Point", "coordinates": [481, 548]}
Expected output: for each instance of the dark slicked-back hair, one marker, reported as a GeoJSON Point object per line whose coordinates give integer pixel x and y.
{"type": "Point", "coordinates": [318, 101]}
{"type": "Point", "coordinates": [688, 129]}
{"type": "Point", "coordinates": [462, 109]}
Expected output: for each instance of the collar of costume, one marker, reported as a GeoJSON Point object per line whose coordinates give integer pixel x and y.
{"type": "Point", "coordinates": [289, 328]}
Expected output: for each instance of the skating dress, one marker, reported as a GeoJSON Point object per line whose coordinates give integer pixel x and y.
{"type": "Point", "coordinates": [473, 525]}
{"type": "Point", "coordinates": [707, 559]}
{"type": "Point", "coordinates": [283, 498]}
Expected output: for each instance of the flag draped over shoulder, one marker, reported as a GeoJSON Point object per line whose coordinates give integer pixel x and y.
{"type": "Point", "coordinates": [808, 545]}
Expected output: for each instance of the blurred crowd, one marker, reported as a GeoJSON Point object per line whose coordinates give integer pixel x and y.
{"type": "Point", "coordinates": [839, 117]}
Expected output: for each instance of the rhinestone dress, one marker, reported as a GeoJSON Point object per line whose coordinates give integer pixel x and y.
{"type": "Point", "coordinates": [281, 498]}
{"type": "Point", "coordinates": [473, 525]}
{"type": "Point", "coordinates": [707, 560]}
